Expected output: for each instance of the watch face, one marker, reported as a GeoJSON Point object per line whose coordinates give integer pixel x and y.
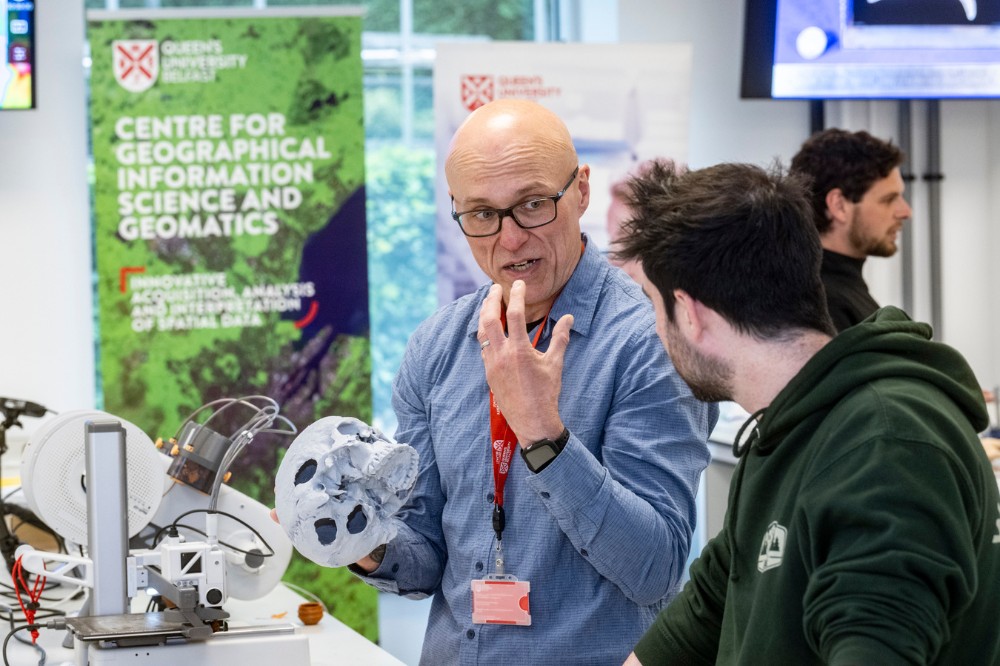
{"type": "Point", "coordinates": [537, 456]}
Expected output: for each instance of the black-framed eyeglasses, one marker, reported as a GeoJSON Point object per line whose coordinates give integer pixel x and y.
{"type": "Point", "coordinates": [528, 214]}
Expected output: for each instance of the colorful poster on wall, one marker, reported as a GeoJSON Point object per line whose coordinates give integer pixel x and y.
{"type": "Point", "coordinates": [628, 104]}
{"type": "Point", "coordinates": [229, 229]}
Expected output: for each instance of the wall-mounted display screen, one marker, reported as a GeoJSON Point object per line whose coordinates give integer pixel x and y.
{"type": "Point", "coordinates": [17, 54]}
{"type": "Point", "coordinates": [862, 49]}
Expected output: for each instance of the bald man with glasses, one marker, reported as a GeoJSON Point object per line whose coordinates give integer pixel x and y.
{"type": "Point", "coordinates": [560, 452]}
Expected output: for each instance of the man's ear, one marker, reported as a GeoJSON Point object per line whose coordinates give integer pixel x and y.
{"type": "Point", "coordinates": [838, 206]}
{"type": "Point", "coordinates": [583, 183]}
{"type": "Point", "coordinates": [687, 315]}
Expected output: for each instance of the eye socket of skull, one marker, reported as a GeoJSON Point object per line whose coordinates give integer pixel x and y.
{"type": "Point", "coordinates": [351, 427]}
{"type": "Point", "coordinates": [357, 521]}
{"type": "Point", "coordinates": [306, 472]}
{"type": "Point", "coordinates": [326, 530]}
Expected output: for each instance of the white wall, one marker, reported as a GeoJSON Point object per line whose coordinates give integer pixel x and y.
{"type": "Point", "coordinates": [970, 241]}
{"type": "Point", "coordinates": [46, 349]}
{"type": "Point", "coordinates": [725, 128]}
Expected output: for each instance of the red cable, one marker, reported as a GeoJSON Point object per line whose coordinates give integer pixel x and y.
{"type": "Point", "coordinates": [34, 595]}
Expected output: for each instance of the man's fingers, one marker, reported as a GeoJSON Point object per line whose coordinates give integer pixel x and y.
{"type": "Point", "coordinates": [490, 328]}
{"type": "Point", "coordinates": [515, 311]}
{"type": "Point", "coordinates": [560, 339]}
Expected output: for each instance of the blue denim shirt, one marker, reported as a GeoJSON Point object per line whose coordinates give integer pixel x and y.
{"type": "Point", "coordinates": [601, 534]}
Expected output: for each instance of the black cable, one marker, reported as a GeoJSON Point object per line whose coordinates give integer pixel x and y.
{"type": "Point", "coordinates": [38, 648]}
{"type": "Point", "coordinates": [41, 614]}
{"type": "Point", "coordinates": [14, 632]}
{"type": "Point", "coordinates": [44, 614]}
{"type": "Point", "coordinates": [175, 523]}
{"type": "Point", "coordinates": [8, 591]}
{"type": "Point", "coordinates": [7, 640]}
{"type": "Point", "coordinates": [221, 542]}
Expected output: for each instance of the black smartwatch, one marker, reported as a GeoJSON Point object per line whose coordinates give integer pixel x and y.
{"type": "Point", "coordinates": [541, 453]}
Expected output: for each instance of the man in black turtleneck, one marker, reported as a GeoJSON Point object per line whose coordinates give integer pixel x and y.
{"type": "Point", "coordinates": [859, 209]}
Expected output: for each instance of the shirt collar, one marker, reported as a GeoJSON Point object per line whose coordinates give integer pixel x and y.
{"type": "Point", "coordinates": [578, 298]}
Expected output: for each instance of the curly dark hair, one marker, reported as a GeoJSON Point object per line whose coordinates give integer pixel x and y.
{"type": "Point", "coordinates": [849, 161]}
{"type": "Point", "coordinates": [737, 237]}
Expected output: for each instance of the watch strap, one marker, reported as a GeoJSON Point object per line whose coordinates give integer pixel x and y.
{"type": "Point", "coordinates": [562, 440]}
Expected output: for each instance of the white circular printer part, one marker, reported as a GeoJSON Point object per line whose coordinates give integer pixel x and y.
{"type": "Point", "coordinates": [53, 470]}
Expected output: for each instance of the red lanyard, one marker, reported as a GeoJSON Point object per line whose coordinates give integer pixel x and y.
{"type": "Point", "coordinates": [503, 443]}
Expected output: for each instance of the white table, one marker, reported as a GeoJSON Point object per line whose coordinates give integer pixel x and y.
{"type": "Point", "coordinates": [331, 642]}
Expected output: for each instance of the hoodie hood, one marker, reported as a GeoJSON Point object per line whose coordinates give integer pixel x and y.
{"type": "Point", "coordinates": [887, 344]}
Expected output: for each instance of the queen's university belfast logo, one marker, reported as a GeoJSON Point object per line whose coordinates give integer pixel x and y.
{"type": "Point", "coordinates": [136, 63]}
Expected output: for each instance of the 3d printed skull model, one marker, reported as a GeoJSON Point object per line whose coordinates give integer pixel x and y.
{"type": "Point", "coordinates": [339, 486]}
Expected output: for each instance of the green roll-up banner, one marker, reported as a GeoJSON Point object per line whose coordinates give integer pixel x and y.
{"type": "Point", "coordinates": [229, 230]}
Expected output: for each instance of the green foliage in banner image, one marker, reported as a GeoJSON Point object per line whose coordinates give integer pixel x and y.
{"type": "Point", "coordinates": [307, 73]}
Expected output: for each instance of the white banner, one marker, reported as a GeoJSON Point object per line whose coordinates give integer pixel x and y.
{"type": "Point", "coordinates": [623, 104]}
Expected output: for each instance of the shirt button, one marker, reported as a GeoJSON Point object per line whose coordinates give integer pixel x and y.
{"type": "Point", "coordinates": [489, 498]}
{"type": "Point", "coordinates": [583, 551]}
{"type": "Point", "coordinates": [395, 568]}
{"type": "Point", "coordinates": [545, 495]}
{"type": "Point", "coordinates": [470, 634]}
{"type": "Point", "coordinates": [479, 566]}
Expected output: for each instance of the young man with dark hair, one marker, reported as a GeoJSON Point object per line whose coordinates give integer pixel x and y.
{"type": "Point", "coordinates": [862, 525]}
{"type": "Point", "coordinates": [858, 207]}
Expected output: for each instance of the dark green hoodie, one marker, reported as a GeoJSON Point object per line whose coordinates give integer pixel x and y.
{"type": "Point", "coordinates": [863, 519]}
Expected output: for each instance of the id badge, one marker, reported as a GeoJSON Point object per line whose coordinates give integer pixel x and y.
{"type": "Point", "coordinates": [501, 599]}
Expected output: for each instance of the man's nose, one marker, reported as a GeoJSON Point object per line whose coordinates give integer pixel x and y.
{"type": "Point", "coordinates": [511, 233]}
{"type": "Point", "coordinates": [905, 212]}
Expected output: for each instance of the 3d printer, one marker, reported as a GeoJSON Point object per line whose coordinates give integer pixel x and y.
{"type": "Point", "coordinates": [99, 481]}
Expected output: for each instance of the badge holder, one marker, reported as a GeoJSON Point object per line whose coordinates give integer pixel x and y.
{"type": "Point", "coordinates": [501, 598]}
